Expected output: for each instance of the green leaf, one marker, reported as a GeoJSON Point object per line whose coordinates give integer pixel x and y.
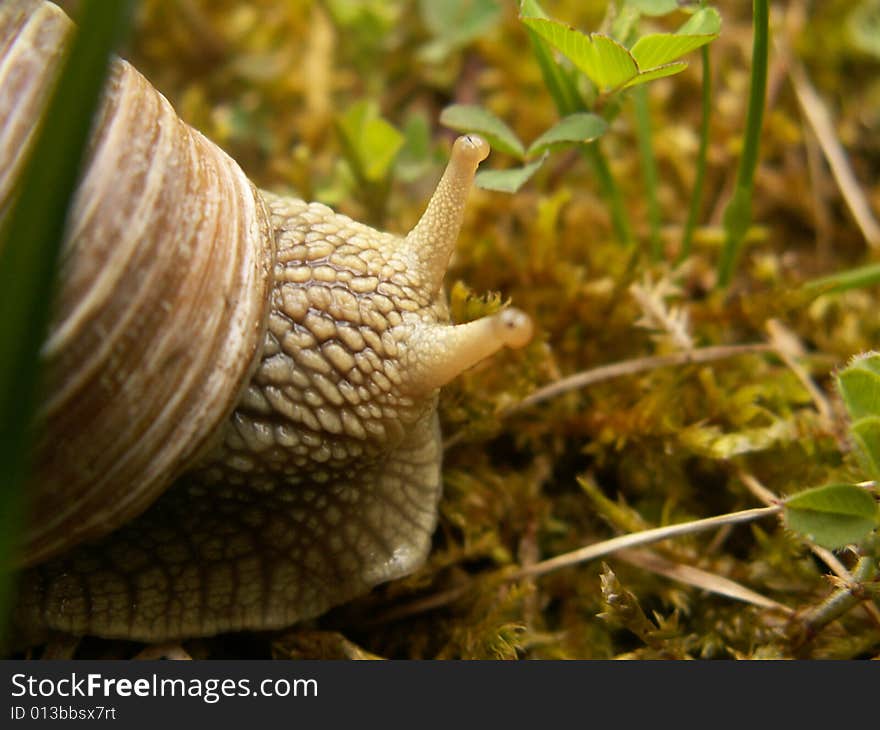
{"type": "Point", "coordinates": [609, 65]}
{"type": "Point", "coordinates": [472, 118]}
{"type": "Point", "coordinates": [458, 21]}
{"type": "Point", "coordinates": [532, 9]}
{"type": "Point", "coordinates": [670, 69]}
{"type": "Point", "coordinates": [654, 7]}
{"type": "Point", "coordinates": [454, 23]}
{"type": "Point", "coordinates": [613, 60]}
{"type": "Point", "coordinates": [575, 128]}
{"type": "Point", "coordinates": [658, 49]}
{"type": "Point", "coordinates": [866, 433]}
{"type": "Point", "coordinates": [859, 384]}
{"type": "Point", "coordinates": [606, 62]}
{"type": "Point", "coordinates": [705, 21]}
{"type": "Point", "coordinates": [370, 142]}
{"type": "Point", "coordinates": [832, 516]}
{"type": "Point", "coordinates": [510, 180]}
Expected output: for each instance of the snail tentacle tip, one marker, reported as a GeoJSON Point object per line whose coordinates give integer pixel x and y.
{"type": "Point", "coordinates": [515, 327]}
{"type": "Point", "coordinates": [441, 352]}
{"type": "Point", "coordinates": [430, 244]}
{"type": "Point", "coordinates": [470, 148]}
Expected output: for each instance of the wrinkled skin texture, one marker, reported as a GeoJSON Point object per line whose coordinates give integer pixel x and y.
{"type": "Point", "coordinates": [327, 478]}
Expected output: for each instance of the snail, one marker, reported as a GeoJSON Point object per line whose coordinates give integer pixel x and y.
{"type": "Point", "coordinates": [239, 426]}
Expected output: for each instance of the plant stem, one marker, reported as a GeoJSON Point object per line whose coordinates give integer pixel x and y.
{"type": "Point", "coordinates": [844, 599]}
{"type": "Point", "coordinates": [637, 365]}
{"type": "Point", "coordinates": [568, 100]}
{"type": "Point", "coordinates": [564, 92]}
{"type": "Point", "coordinates": [649, 166]}
{"type": "Point", "coordinates": [817, 116]}
{"type": "Point", "coordinates": [597, 550]}
{"type": "Point", "coordinates": [738, 213]}
{"type": "Point", "coordinates": [611, 192]}
{"type": "Point", "coordinates": [850, 279]}
{"type": "Point", "coordinates": [702, 153]}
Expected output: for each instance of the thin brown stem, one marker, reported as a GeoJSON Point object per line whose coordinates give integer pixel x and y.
{"type": "Point", "coordinates": [699, 578]}
{"type": "Point", "coordinates": [637, 365]}
{"type": "Point", "coordinates": [817, 116]}
{"type": "Point", "coordinates": [597, 550]}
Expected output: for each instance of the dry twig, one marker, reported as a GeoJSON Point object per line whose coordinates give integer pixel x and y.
{"type": "Point", "coordinates": [637, 365]}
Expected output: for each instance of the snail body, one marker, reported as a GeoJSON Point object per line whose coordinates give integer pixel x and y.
{"type": "Point", "coordinates": [239, 427]}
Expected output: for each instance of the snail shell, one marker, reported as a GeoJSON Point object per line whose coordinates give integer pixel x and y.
{"type": "Point", "coordinates": [239, 427]}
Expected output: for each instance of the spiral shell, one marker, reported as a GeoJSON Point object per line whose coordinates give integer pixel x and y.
{"type": "Point", "coordinates": [132, 398]}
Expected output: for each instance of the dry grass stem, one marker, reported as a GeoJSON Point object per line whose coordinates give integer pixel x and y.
{"type": "Point", "coordinates": [638, 365]}
{"type": "Point", "coordinates": [817, 116]}
{"type": "Point", "coordinates": [596, 550]}
{"type": "Point", "coordinates": [575, 557]}
{"type": "Point", "coordinates": [789, 349]}
{"type": "Point", "coordinates": [699, 578]}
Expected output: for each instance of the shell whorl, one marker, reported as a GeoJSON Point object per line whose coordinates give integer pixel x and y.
{"type": "Point", "coordinates": [162, 301]}
{"type": "Point", "coordinates": [296, 404]}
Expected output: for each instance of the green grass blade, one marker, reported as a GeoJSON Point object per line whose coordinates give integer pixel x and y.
{"type": "Point", "coordinates": [30, 239]}
{"type": "Point", "coordinates": [559, 83]}
{"type": "Point", "coordinates": [738, 213]}
{"type": "Point", "coordinates": [702, 154]}
{"type": "Point", "coordinates": [843, 281]}
{"type": "Point", "coordinates": [649, 167]}
{"type": "Point", "coordinates": [619, 219]}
